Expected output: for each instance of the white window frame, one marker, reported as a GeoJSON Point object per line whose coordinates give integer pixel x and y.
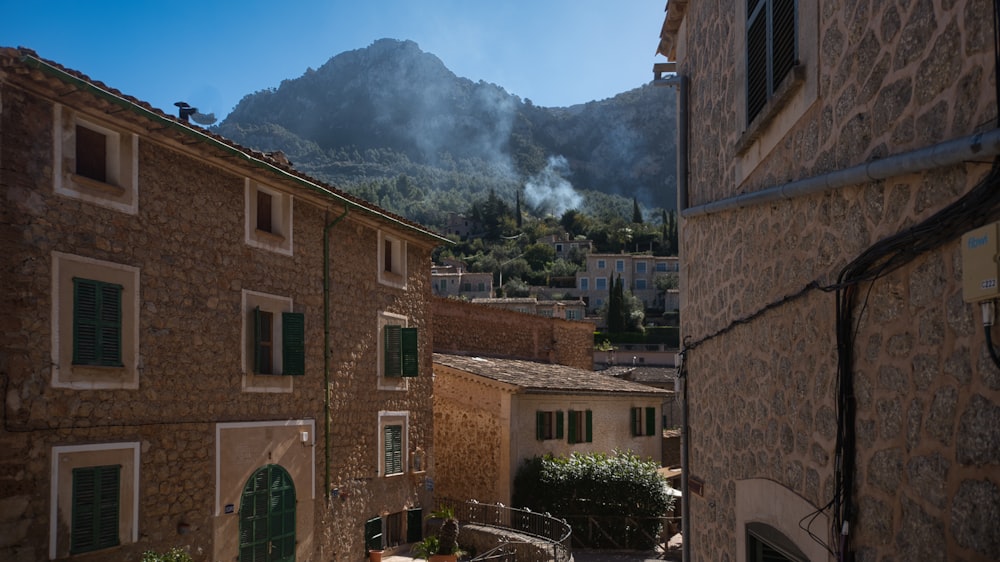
{"type": "Point", "coordinates": [620, 266]}
{"type": "Point", "coordinates": [385, 418]}
{"type": "Point", "coordinates": [397, 276]}
{"type": "Point", "coordinates": [640, 267]}
{"type": "Point", "coordinates": [120, 190]}
{"type": "Point", "coordinates": [598, 281]}
{"type": "Point", "coordinates": [67, 457]}
{"type": "Point", "coordinates": [584, 283]}
{"type": "Point", "coordinates": [64, 373]}
{"type": "Point", "coordinates": [601, 264]}
{"type": "Point", "coordinates": [275, 304]}
{"type": "Point", "coordinates": [280, 239]}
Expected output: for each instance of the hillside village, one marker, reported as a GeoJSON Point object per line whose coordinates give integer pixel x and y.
{"type": "Point", "coordinates": [206, 348]}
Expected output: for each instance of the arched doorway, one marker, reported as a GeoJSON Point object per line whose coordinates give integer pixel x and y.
{"type": "Point", "coordinates": [267, 516]}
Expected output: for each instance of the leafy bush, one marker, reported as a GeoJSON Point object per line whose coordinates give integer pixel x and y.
{"type": "Point", "coordinates": [173, 555]}
{"type": "Point", "coordinates": [608, 488]}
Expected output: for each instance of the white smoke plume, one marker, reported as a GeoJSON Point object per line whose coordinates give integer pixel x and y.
{"type": "Point", "coordinates": [549, 192]}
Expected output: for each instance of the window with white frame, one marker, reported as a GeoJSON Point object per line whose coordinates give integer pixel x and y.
{"type": "Point", "coordinates": [620, 266]}
{"type": "Point", "coordinates": [640, 267]}
{"type": "Point", "coordinates": [274, 336]}
{"type": "Point", "coordinates": [393, 443]}
{"type": "Point", "coordinates": [391, 260]}
{"type": "Point", "coordinates": [95, 319]}
{"type": "Point", "coordinates": [572, 314]}
{"type": "Point", "coordinates": [640, 284]}
{"type": "Point", "coordinates": [95, 161]}
{"type": "Point", "coordinates": [584, 284]}
{"type": "Point", "coordinates": [661, 266]}
{"type": "Point", "coordinates": [601, 264]}
{"type": "Point", "coordinates": [94, 498]}
{"type": "Point", "coordinates": [268, 218]}
{"type": "Point", "coordinates": [601, 283]}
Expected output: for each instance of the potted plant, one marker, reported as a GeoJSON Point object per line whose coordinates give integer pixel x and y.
{"type": "Point", "coordinates": [444, 546]}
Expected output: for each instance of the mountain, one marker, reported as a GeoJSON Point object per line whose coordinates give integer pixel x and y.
{"type": "Point", "coordinates": [392, 124]}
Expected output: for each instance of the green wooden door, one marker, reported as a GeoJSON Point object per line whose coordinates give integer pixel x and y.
{"type": "Point", "coordinates": [267, 517]}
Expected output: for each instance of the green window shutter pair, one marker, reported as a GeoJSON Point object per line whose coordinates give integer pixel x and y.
{"type": "Point", "coordinates": [402, 358]}
{"type": "Point", "coordinates": [97, 323]}
{"type": "Point", "coordinates": [293, 343]}
{"type": "Point", "coordinates": [540, 425]}
{"type": "Point", "coordinates": [96, 492]}
{"type": "Point", "coordinates": [393, 449]}
{"type": "Point", "coordinates": [581, 430]}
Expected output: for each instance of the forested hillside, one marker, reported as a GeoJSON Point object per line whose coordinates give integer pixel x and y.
{"type": "Point", "coordinates": [392, 124]}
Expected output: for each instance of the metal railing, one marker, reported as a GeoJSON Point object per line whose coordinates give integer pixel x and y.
{"type": "Point", "coordinates": [554, 533]}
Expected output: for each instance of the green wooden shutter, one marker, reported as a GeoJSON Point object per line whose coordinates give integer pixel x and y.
{"type": "Point", "coordinates": [393, 366]}
{"type": "Point", "coordinates": [293, 343]}
{"type": "Point", "coordinates": [95, 508]}
{"type": "Point", "coordinates": [573, 430]}
{"type": "Point", "coordinates": [410, 354]}
{"type": "Point", "coordinates": [559, 424]}
{"type": "Point", "coordinates": [590, 426]}
{"type": "Point", "coordinates": [373, 534]}
{"type": "Point", "coordinates": [414, 525]}
{"type": "Point", "coordinates": [539, 425]}
{"type": "Point", "coordinates": [393, 449]}
{"type": "Point", "coordinates": [97, 323]}
{"type": "Point", "coordinates": [650, 421]}
{"type": "Point", "coordinates": [635, 421]}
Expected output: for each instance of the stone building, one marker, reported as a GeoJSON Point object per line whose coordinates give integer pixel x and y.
{"type": "Point", "coordinates": [452, 280]}
{"type": "Point", "coordinates": [638, 273]}
{"type": "Point", "coordinates": [524, 409]}
{"type": "Point", "coordinates": [837, 381]}
{"type": "Point", "coordinates": [200, 347]}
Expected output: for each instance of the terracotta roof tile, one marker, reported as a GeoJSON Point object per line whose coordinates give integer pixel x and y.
{"type": "Point", "coordinates": [532, 376]}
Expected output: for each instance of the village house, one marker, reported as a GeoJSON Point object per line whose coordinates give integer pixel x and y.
{"type": "Point", "coordinates": [564, 309]}
{"type": "Point", "coordinates": [638, 273]}
{"type": "Point", "coordinates": [525, 409]}
{"type": "Point", "coordinates": [842, 400]}
{"type": "Point", "coordinates": [201, 347]}
{"type": "Point", "coordinates": [452, 280]}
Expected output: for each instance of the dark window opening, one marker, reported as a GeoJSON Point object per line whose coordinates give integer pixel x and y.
{"type": "Point", "coordinates": [264, 210]}
{"type": "Point", "coordinates": [91, 154]}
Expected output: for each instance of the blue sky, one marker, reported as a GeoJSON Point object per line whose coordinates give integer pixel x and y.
{"type": "Point", "coordinates": [212, 53]}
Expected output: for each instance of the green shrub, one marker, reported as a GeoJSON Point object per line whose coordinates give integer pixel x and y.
{"type": "Point", "coordinates": [606, 487]}
{"type": "Point", "coordinates": [173, 555]}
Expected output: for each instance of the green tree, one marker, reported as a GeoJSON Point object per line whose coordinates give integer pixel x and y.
{"type": "Point", "coordinates": [616, 318]}
{"type": "Point", "coordinates": [539, 256]}
{"type": "Point", "coordinates": [636, 212]}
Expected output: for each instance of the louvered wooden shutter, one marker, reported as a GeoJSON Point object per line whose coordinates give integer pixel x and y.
{"type": "Point", "coordinates": [97, 323]}
{"type": "Point", "coordinates": [559, 424]}
{"type": "Point", "coordinates": [95, 508]}
{"type": "Point", "coordinates": [635, 421]}
{"type": "Point", "coordinates": [539, 425]}
{"type": "Point", "coordinates": [590, 426]}
{"type": "Point", "coordinates": [393, 449]}
{"type": "Point", "coordinates": [393, 366]}
{"type": "Point", "coordinates": [293, 343]}
{"type": "Point", "coordinates": [650, 421]}
{"type": "Point", "coordinates": [409, 352]}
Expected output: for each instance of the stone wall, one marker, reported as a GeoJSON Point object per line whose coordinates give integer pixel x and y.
{"type": "Point", "coordinates": [891, 77]}
{"type": "Point", "coordinates": [461, 327]}
{"type": "Point", "coordinates": [187, 240]}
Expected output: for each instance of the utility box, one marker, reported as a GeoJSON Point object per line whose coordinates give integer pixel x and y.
{"type": "Point", "coordinates": [980, 266]}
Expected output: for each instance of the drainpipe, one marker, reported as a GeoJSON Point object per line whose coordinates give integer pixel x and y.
{"type": "Point", "coordinates": [681, 83]}
{"type": "Point", "coordinates": [326, 347]}
{"type": "Point", "coordinates": [981, 146]}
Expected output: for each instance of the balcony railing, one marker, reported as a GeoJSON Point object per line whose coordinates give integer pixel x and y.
{"type": "Point", "coordinates": [554, 534]}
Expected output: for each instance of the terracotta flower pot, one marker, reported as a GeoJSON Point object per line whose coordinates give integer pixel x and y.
{"type": "Point", "coordinates": [374, 556]}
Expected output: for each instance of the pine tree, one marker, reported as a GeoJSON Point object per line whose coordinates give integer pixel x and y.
{"type": "Point", "coordinates": [636, 212]}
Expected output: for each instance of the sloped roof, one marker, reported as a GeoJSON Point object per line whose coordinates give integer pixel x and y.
{"type": "Point", "coordinates": [534, 377]}
{"type": "Point", "coordinates": [25, 62]}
